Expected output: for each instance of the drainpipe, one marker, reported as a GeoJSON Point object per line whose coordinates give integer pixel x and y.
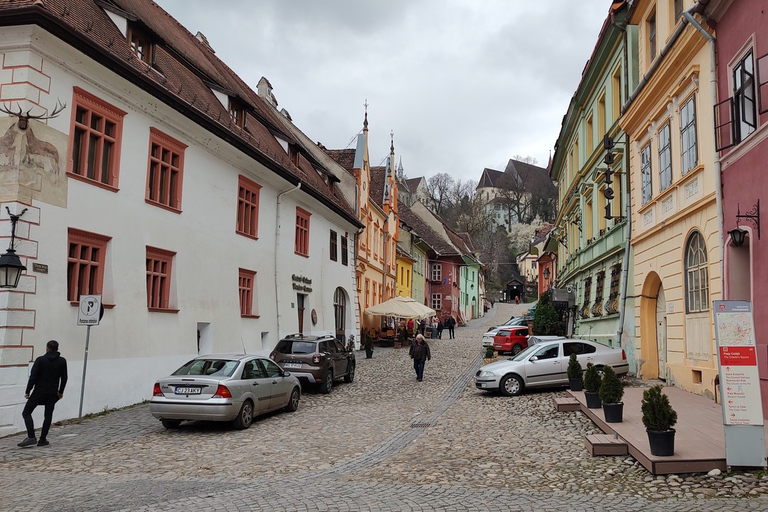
{"type": "Point", "coordinates": [713, 94]}
{"type": "Point", "coordinates": [627, 245]}
{"type": "Point", "coordinates": [277, 253]}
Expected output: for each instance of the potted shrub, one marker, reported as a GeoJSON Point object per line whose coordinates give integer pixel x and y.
{"type": "Point", "coordinates": [575, 374]}
{"type": "Point", "coordinates": [611, 392]}
{"type": "Point", "coordinates": [592, 381]}
{"type": "Point", "coordinates": [659, 417]}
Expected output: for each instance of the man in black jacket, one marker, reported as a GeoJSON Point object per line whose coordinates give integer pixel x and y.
{"type": "Point", "coordinates": [48, 378]}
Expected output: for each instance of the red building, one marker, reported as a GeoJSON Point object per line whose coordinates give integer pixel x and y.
{"type": "Point", "coordinates": [741, 120]}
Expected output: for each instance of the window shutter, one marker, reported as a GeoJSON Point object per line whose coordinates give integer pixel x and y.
{"type": "Point", "coordinates": [762, 84]}
{"type": "Point", "coordinates": [724, 129]}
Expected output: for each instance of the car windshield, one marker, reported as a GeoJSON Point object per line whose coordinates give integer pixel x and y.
{"type": "Point", "coordinates": [296, 347]}
{"type": "Point", "coordinates": [525, 354]}
{"type": "Point", "coordinates": [213, 367]}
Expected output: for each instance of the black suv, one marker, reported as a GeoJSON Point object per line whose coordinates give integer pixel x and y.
{"type": "Point", "coordinates": [315, 359]}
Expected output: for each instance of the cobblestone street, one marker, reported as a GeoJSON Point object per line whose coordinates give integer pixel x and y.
{"type": "Point", "coordinates": [383, 442]}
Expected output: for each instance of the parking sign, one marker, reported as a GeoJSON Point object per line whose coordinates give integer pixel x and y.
{"type": "Point", "coordinates": [89, 312]}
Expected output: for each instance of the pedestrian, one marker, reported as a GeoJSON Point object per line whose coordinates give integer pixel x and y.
{"type": "Point", "coordinates": [517, 299]}
{"type": "Point", "coordinates": [451, 323]}
{"type": "Point", "coordinates": [47, 381]}
{"type": "Point", "coordinates": [434, 327]}
{"type": "Point", "coordinates": [439, 329]}
{"type": "Point", "coordinates": [420, 354]}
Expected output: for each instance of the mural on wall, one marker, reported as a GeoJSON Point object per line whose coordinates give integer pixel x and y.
{"type": "Point", "coordinates": [32, 165]}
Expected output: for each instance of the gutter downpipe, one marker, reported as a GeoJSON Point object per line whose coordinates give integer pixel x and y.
{"type": "Point", "coordinates": [717, 163]}
{"type": "Point", "coordinates": [277, 253]}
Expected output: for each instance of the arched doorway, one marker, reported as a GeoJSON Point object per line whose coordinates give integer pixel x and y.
{"type": "Point", "coordinates": [340, 313]}
{"type": "Point", "coordinates": [653, 329]}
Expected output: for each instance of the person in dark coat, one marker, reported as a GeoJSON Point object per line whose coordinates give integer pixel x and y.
{"type": "Point", "coordinates": [450, 323]}
{"type": "Point", "coordinates": [47, 381]}
{"type": "Point", "coordinates": [420, 354]}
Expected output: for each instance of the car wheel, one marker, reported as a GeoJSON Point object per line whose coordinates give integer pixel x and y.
{"type": "Point", "coordinates": [171, 423]}
{"type": "Point", "coordinates": [245, 417]}
{"type": "Point", "coordinates": [511, 385]}
{"type": "Point", "coordinates": [350, 376]}
{"type": "Point", "coordinates": [516, 349]}
{"type": "Point", "coordinates": [327, 384]}
{"type": "Point", "coordinates": [293, 403]}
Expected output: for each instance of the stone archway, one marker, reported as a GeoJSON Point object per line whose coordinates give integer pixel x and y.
{"type": "Point", "coordinates": [649, 334]}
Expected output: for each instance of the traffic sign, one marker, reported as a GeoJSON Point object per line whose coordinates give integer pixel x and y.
{"type": "Point", "coordinates": [90, 310]}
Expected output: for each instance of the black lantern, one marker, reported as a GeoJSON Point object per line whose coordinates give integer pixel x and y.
{"type": "Point", "coordinates": [10, 264]}
{"type": "Point", "coordinates": [737, 236]}
{"type": "Point", "coordinates": [546, 274]}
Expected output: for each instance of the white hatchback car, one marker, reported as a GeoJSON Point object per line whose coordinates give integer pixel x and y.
{"type": "Point", "coordinates": [544, 364]}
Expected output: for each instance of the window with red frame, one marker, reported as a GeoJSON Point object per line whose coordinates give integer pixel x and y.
{"type": "Point", "coordinates": [247, 286]}
{"type": "Point", "coordinates": [301, 245]}
{"type": "Point", "coordinates": [247, 207]}
{"type": "Point", "coordinates": [159, 267]}
{"type": "Point", "coordinates": [165, 170]}
{"type": "Point", "coordinates": [85, 263]}
{"type": "Point", "coordinates": [95, 138]}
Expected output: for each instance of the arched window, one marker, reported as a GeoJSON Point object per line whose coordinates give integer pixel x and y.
{"type": "Point", "coordinates": [696, 274]}
{"type": "Point", "coordinates": [339, 308]}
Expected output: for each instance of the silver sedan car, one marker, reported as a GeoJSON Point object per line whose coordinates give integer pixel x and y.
{"type": "Point", "coordinates": [224, 387]}
{"type": "Point", "coordinates": [544, 364]}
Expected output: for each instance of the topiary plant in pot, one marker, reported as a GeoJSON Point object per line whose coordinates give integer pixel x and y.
{"type": "Point", "coordinates": [611, 393]}
{"type": "Point", "coordinates": [659, 417]}
{"type": "Point", "coordinates": [575, 374]}
{"type": "Point", "coordinates": [592, 381]}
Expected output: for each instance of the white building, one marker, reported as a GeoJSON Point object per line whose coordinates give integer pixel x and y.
{"type": "Point", "coordinates": [166, 186]}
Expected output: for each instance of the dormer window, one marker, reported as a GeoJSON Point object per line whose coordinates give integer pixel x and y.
{"type": "Point", "coordinates": [141, 44]}
{"type": "Point", "coordinates": [237, 112]}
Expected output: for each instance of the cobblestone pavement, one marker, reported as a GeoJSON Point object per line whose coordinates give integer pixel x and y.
{"type": "Point", "coordinates": [383, 442]}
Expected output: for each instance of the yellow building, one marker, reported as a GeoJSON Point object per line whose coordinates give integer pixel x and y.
{"type": "Point", "coordinates": [404, 273]}
{"type": "Point", "coordinates": [668, 119]}
{"type": "Point", "coordinates": [377, 209]}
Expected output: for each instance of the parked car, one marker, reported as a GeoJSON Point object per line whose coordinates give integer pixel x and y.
{"type": "Point", "coordinates": [511, 339]}
{"type": "Point", "coordinates": [512, 322]}
{"type": "Point", "coordinates": [224, 387]}
{"type": "Point", "coordinates": [544, 365]}
{"type": "Point", "coordinates": [315, 359]}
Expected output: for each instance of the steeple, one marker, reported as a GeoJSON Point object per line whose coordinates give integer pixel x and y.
{"type": "Point", "coordinates": [365, 122]}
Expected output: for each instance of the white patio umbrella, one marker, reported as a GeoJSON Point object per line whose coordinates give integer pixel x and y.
{"type": "Point", "coordinates": [401, 307]}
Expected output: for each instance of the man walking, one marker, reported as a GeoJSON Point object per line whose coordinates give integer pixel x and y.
{"type": "Point", "coordinates": [451, 323]}
{"type": "Point", "coordinates": [48, 378]}
{"type": "Point", "coordinates": [420, 354]}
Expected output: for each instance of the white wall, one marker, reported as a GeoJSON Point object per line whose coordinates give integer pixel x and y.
{"type": "Point", "coordinates": [132, 347]}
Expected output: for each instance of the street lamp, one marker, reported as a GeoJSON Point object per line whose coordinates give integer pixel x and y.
{"type": "Point", "coordinates": [546, 274]}
{"type": "Point", "coordinates": [10, 264]}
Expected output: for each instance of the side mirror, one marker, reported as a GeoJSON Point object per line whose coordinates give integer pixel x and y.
{"type": "Point", "coordinates": [533, 359]}
{"type": "Point", "coordinates": [286, 374]}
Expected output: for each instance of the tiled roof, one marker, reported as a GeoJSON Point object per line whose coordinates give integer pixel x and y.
{"type": "Point", "coordinates": [489, 178]}
{"type": "Point", "coordinates": [423, 231]}
{"type": "Point", "coordinates": [534, 178]}
{"type": "Point", "coordinates": [345, 157]}
{"type": "Point", "coordinates": [183, 73]}
{"type": "Point", "coordinates": [378, 180]}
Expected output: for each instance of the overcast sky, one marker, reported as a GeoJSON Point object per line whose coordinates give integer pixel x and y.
{"type": "Point", "coordinates": [463, 84]}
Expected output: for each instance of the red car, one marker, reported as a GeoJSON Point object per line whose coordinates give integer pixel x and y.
{"type": "Point", "coordinates": [511, 339]}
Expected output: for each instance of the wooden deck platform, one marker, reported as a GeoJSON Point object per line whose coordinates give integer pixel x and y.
{"type": "Point", "coordinates": [567, 404]}
{"type": "Point", "coordinates": [700, 438]}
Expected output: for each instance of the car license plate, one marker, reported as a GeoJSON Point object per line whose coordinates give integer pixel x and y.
{"type": "Point", "coordinates": [292, 365]}
{"type": "Point", "coordinates": [189, 391]}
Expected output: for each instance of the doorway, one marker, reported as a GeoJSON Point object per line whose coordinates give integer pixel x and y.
{"type": "Point", "coordinates": [300, 300]}
{"type": "Point", "coordinates": [661, 333]}
{"type": "Point", "coordinates": [204, 338]}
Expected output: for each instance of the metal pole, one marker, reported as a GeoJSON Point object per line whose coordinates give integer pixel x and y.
{"type": "Point", "coordinates": [85, 365]}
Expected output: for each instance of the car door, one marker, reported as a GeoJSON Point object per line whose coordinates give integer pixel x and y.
{"type": "Point", "coordinates": [343, 359]}
{"type": "Point", "coordinates": [333, 354]}
{"type": "Point", "coordinates": [256, 384]}
{"type": "Point", "coordinates": [280, 387]}
{"type": "Point", "coordinates": [519, 337]}
{"type": "Point", "coordinates": [545, 366]}
{"type": "Point", "coordinates": [585, 353]}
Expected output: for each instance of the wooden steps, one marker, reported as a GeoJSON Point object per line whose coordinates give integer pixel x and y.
{"type": "Point", "coordinates": [567, 404]}
{"type": "Point", "coordinates": [605, 444]}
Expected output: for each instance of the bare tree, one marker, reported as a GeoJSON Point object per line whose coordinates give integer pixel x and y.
{"type": "Point", "coordinates": [439, 187]}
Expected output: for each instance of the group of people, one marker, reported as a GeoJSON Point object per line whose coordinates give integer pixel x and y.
{"type": "Point", "coordinates": [437, 327]}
